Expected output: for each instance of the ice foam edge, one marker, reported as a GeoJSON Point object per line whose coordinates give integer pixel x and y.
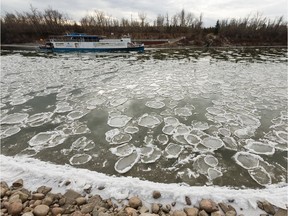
{"type": "Point", "coordinates": [36, 173]}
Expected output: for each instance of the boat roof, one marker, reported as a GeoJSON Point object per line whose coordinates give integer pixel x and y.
{"type": "Point", "coordinates": [81, 35]}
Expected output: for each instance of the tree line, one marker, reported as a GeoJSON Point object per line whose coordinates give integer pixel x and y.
{"type": "Point", "coordinates": [32, 25]}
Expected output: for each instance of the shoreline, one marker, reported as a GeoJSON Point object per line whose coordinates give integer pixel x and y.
{"type": "Point", "coordinates": [63, 178]}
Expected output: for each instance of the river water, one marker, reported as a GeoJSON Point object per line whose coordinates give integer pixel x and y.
{"type": "Point", "coordinates": [192, 116]}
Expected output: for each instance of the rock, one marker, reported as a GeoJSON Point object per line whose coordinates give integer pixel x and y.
{"type": "Point", "coordinates": [15, 198]}
{"type": "Point", "coordinates": [208, 205]}
{"type": "Point", "coordinates": [148, 214]}
{"type": "Point", "coordinates": [203, 213]}
{"type": "Point", "coordinates": [224, 207]}
{"type": "Point", "coordinates": [71, 196]}
{"type": "Point", "coordinates": [4, 184]}
{"type": "Point", "coordinates": [18, 183]}
{"type": "Point", "coordinates": [135, 202]}
{"type": "Point", "coordinates": [28, 214]}
{"type": "Point", "coordinates": [38, 196]}
{"type": "Point", "coordinates": [216, 213]}
{"type": "Point", "coordinates": [101, 188]}
{"type": "Point", "coordinates": [41, 210]}
{"type": "Point", "coordinates": [178, 213]}
{"type": "Point", "coordinates": [87, 208]}
{"type": "Point", "coordinates": [191, 211]}
{"type": "Point", "coordinates": [156, 194]}
{"type": "Point", "coordinates": [55, 211]}
{"type": "Point", "coordinates": [81, 201]}
{"type": "Point", "coordinates": [3, 191]}
{"type": "Point", "coordinates": [131, 211]}
{"type": "Point", "coordinates": [268, 207]}
{"type": "Point", "coordinates": [173, 204]}
{"type": "Point", "coordinates": [23, 196]}
{"type": "Point", "coordinates": [230, 213]}
{"type": "Point", "coordinates": [47, 201]}
{"type": "Point", "coordinates": [281, 212]}
{"type": "Point", "coordinates": [188, 200]}
{"type": "Point", "coordinates": [143, 209]}
{"type": "Point", "coordinates": [77, 213]}
{"type": "Point", "coordinates": [15, 208]}
{"type": "Point", "coordinates": [155, 208]}
{"type": "Point", "coordinates": [37, 202]}
{"type": "Point", "coordinates": [62, 201]}
{"type": "Point", "coordinates": [166, 208]}
{"type": "Point", "coordinates": [44, 189]}
{"type": "Point", "coordinates": [105, 214]}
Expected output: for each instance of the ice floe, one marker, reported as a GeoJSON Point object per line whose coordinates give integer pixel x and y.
{"type": "Point", "coordinates": [123, 150]}
{"type": "Point", "coordinates": [259, 147]}
{"type": "Point", "coordinates": [79, 159]}
{"type": "Point", "coordinates": [212, 142]}
{"type": "Point", "coordinates": [247, 160]}
{"type": "Point", "coordinates": [15, 118]}
{"type": "Point", "coordinates": [124, 164]}
{"type": "Point", "coordinates": [148, 121]}
{"type": "Point", "coordinates": [155, 104]}
{"type": "Point", "coordinates": [260, 175]}
{"type": "Point", "coordinates": [118, 121]}
{"type": "Point", "coordinates": [173, 150]}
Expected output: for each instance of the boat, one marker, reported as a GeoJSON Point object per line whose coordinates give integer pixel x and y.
{"type": "Point", "coordinates": [80, 42]}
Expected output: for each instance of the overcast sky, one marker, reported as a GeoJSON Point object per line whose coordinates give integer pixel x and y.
{"type": "Point", "coordinates": [211, 9]}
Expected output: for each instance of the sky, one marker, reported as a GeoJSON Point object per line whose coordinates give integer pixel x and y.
{"type": "Point", "coordinates": [212, 10]}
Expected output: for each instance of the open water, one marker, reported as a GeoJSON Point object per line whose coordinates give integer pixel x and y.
{"type": "Point", "coordinates": [192, 116]}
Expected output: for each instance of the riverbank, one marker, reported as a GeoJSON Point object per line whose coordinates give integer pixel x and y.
{"type": "Point", "coordinates": [66, 181]}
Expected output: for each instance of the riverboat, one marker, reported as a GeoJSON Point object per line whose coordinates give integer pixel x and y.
{"type": "Point", "coordinates": [89, 43]}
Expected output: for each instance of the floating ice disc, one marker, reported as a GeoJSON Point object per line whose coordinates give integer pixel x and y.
{"type": "Point", "coordinates": [212, 142]}
{"type": "Point", "coordinates": [260, 148]}
{"type": "Point", "coordinates": [118, 121]}
{"type": "Point", "coordinates": [124, 164]}
{"type": "Point", "coordinates": [247, 160]}
{"type": "Point", "coordinates": [80, 159]}
{"type": "Point", "coordinates": [260, 175]}
{"type": "Point", "coordinates": [15, 118]}
{"type": "Point", "coordinates": [148, 121]}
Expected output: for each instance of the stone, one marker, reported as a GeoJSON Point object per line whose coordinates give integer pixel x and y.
{"type": "Point", "coordinates": [281, 212]}
{"type": "Point", "coordinates": [203, 213]}
{"type": "Point", "coordinates": [4, 184]}
{"type": "Point", "coordinates": [62, 201]}
{"type": "Point", "coordinates": [148, 214]}
{"type": "Point", "coordinates": [208, 205]}
{"type": "Point", "coordinates": [14, 198]}
{"type": "Point", "coordinates": [135, 202]}
{"type": "Point", "coordinates": [156, 194]}
{"type": "Point", "coordinates": [131, 211]}
{"type": "Point", "coordinates": [87, 208]}
{"type": "Point", "coordinates": [178, 213]}
{"type": "Point", "coordinates": [224, 207]}
{"type": "Point", "coordinates": [216, 213]}
{"type": "Point", "coordinates": [28, 214]}
{"type": "Point", "coordinates": [81, 201]}
{"type": "Point", "coordinates": [15, 208]}
{"type": "Point", "coordinates": [143, 209]}
{"type": "Point", "coordinates": [173, 204]}
{"type": "Point", "coordinates": [105, 214]}
{"type": "Point", "coordinates": [77, 213]}
{"type": "Point", "coordinates": [38, 196]}
{"type": "Point", "coordinates": [56, 211]}
{"type": "Point", "coordinates": [47, 201]}
{"type": "Point", "coordinates": [268, 207]}
{"type": "Point", "coordinates": [23, 196]}
{"type": "Point", "coordinates": [44, 189]}
{"type": "Point", "coordinates": [155, 208]}
{"type": "Point", "coordinates": [3, 191]}
{"type": "Point", "coordinates": [37, 202]}
{"type": "Point", "coordinates": [230, 213]}
{"type": "Point", "coordinates": [71, 196]}
{"type": "Point", "coordinates": [191, 211]}
{"type": "Point", "coordinates": [166, 208]}
{"type": "Point", "coordinates": [18, 183]}
{"type": "Point", "coordinates": [41, 210]}
{"type": "Point", "coordinates": [188, 200]}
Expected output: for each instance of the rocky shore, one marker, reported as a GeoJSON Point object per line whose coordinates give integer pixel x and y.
{"type": "Point", "coordinates": [18, 200]}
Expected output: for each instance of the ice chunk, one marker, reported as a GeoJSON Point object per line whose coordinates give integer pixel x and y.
{"type": "Point", "coordinates": [248, 120]}
{"type": "Point", "coordinates": [168, 129]}
{"type": "Point", "coordinates": [63, 108]}
{"type": "Point", "coordinates": [118, 101]}
{"type": "Point", "coordinates": [211, 160]}
{"type": "Point", "coordinates": [200, 125]}
{"type": "Point", "coordinates": [118, 121]}
{"type": "Point", "coordinates": [111, 133]}
{"type": "Point", "coordinates": [225, 132]}
{"type": "Point", "coordinates": [183, 111]}
{"type": "Point", "coordinates": [282, 135]}
{"type": "Point", "coordinates": [155, 104]}
{"type": "Point", "coordinates": [81, 129]}
{"type": "Point", "coordinates": [260, 175]}
{"type": "Point", "coordinates": [148, 121]}
{"type": "Point", "coordinates": [124, 164]}
{"type": "Point", "coordinates": [214, 173]}
{"type": "Point", "coordinates": [212, 142]}
{"type": "Point", "coordinates": [259, 148]}
{"type": "Point", "coordinates": [79, 159]}
{"type": "Point", "coordinates": [247, 160]}
{"type": "Point", "coordinates": [151, 158]}
{"type": "Point", "coordinates": [244, 133]}
{"type": "Point", "coordinates": [146, 150]}
{"type": "Point", "coordinates": [121, 138]}
{"type": "Point", "coordinates": [76, 115]}
{"type": "Point", "coordinates": [215, 110]}
{"type": "Point", "coordinates": [83, 143]}
{"type": "Point", "coordinates": [230, 143]}
{"type": "Point", "coordinates": [39, 119]}
{"type": "Point", "coordinates": [123, 150]}
{"type": "Point", "coordinates": [96, 101]}
{"type": "Point", "coordinates": [163, 139]}
{"type": "Point", "coordinates": [47, 139]}
{"type": "Point", "coordinates": [171, 121]}
{"type": "Point", "coordinates": [200, 165]}
{"type": "Point", "coordinates": [15, 118]}
{"type": "Point", "coordinates": [131, 129]}
{"type": "Point", "coordinates": [192, 139]}
{"type": "Point", "coordinates": [180, 138]}
{"type": "Point", "coordinates": [173, 150]}
{"type": "Point", "coordinates": [10, 131]}
{"type": "Point", "coordinates": [182, 129]}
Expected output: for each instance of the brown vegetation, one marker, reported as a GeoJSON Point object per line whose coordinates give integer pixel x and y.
{"type": "Point", "coordinates": [28, 27]}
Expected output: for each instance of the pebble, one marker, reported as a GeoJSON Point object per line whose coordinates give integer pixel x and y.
{"type": "Point", "coordinates": [208, 205]}
{"type": "Point", "coordinates": [155, 208]}
{"type": "Point", "coordinates": [55, 211]}
{"type": "Point", "coordinates": [15, 208]}
{"type": "Point", "coordinates": [38, 196]}
{"type": "Point", "coordinates": [135, 202]}
{"type": "Point", "coordinates": [179, 213]}
{"type": "Point", "coordinates": [191, 211]}
{"type": "Point", "coordinates": [18, 183]}
{"type": "Point", "coordinates": [41, 210]}
{"type": "Point", "coordinates": [156, 194]}
{"type": "Point", "coordinates": [188, 200]}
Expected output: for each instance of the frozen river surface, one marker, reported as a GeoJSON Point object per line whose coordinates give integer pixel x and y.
{"type": "Point", "coordinates": [214, 117]}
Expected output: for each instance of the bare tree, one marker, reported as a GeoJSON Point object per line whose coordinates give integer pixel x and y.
{"type": "Point", "coordinates": [142, 16]}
